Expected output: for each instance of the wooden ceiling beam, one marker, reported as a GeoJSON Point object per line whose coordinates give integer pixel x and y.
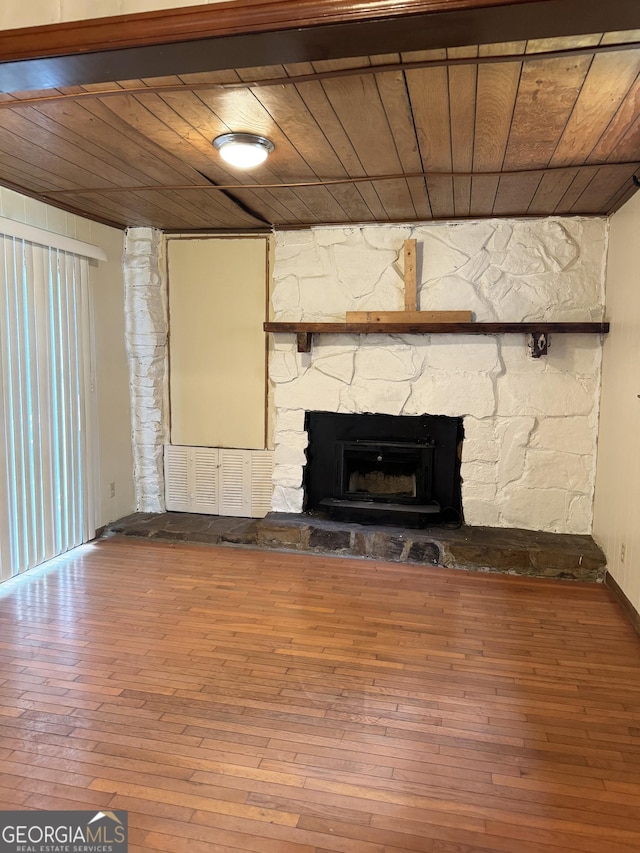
{"type": "Point", "coordinates": [336, 73]}
{"type": "Point", "coordinates": [246, 33]}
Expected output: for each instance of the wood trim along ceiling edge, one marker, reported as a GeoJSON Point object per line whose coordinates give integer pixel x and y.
{"type": "Point", "coordinates": [235, 17]}
{"type": "Point", "coordinates": [249, 33]}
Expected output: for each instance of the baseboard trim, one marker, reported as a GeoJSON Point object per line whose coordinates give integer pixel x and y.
{"type": "Point", "coordinates": [623, 601]}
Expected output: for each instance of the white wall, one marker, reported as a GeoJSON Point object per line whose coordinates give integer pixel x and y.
{"type": "Point", "coordinates": [35, 12]}
{"type": "Point", "coordinates": [617, 496]}
{"type": "Point", "coordinates": [530, 424]}
{"type": "Point", "coordinates": [115, 462]}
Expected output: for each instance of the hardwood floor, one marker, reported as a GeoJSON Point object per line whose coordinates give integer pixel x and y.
{"type": "Point", "coordinates": [237, 700]}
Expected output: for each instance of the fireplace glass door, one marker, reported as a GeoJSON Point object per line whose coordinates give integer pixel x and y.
{"type": "Point", "coordinates": [383, 471]}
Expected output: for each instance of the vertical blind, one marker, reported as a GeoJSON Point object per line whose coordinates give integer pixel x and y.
{"type": "Point", "coordinates": [46, 454]}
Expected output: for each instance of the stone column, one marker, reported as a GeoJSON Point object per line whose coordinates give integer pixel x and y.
{"type": "Point", "coordinates": [147, 336]}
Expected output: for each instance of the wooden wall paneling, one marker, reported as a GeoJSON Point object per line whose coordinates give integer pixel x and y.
{"type": "Point", "coordinates": [103, 121]}
{"type": "Point", "coordinates": [396, 198]}
{"type": "Point", "coordinates": [242, 109]}
{"type": "Point", "coordinates": [462, 97]}
{"type": "Point", "coordinates": [194, 118]}
{"type": "Point", "coordinates": [154, 205]}
{"type": "Point", "coordinates": [610, 78]}
{"type": "Point", "coordinates": [344, 63]}
{"type": "Point", "coordinates": [192, 151]}
{"type": "Point", "coordinates": [603, 188]}
{"type": "Point", "coordinates": [271, 205]}
{"type": "Point", "coordinates": [350, 199]}
{"type": "Point", "coordinates": [295, 202]}
{"type": "Point", "coordinates": [192, 112]}
{"type": "Point", "coordinates": [547, 92]}
{"type": "Point", "coordinates": [440, 190]}
{"type": "Point", "coordinates": [58, 154]}
{"type": "Point", "coordinates": [577, 186]}
{"type": "Point", "coordinates": [149, 208]}
{"type": "Point", "coordinates": [316, 100]}
{"type": "Point", "coordinates": [141, 132]}
{"type": "Point", "coordinates": [94, 121]}
{"type": "Point", "coordinates": [420, 198]}
{"type": "Point", "coordinates": [543, 45]}
{"type": "Point", "coordinates": [322, 205]}
{"type": "Point", "coordinates": [621, 198]}
{"type": "Point", "coordinates": [515, 193]}
{"type": "Point", "coordinates": [266, 204]}
{"type": "Point", "coordinates": [28, 175]}
{"type": "Point", "coordinates": [135, 208]}
{"type": "Point", "coordinates": [497, 87]}
{"type": "Point", "coordinates": [148, 115]}
{"type": "Point", "coordinates": [303, 131]}
{"type": "Point", "coordinates": [191, 204]}
{"type": "Point", "coordinates": [239, 109]}
{"type": "Point", "coordinates": [371, 198]}
{"type": "Point", "coordinates": [429, 95]}
{"type": "Point", "coordinates": [208, 204]}
{"type": "Point", "coordinates": [627, 146]}
{"type": "Point", "coordinates": [111, 152]}
{"type": "Point", "coordinates": [114, 143]}
{"type": "Point", "coordinates": [116, 209]}
{"type": "Point", "coordinates": [619, 141]}
{"type": "Point", "coordinates": [356, 102]}
{"type": "Point", "coordinates": [135, 118]}
{"type": "Point", "coordinates": [483, 195]}
{"type": "Point", "coordinates": [260, 72]}
{"type": "Point", "coordinates": [226, 75]}
{"type": "Point", "coordinates": [194, 204]}
{"type": "Point", "coordinates": [392, 87]}
{"type": "Point", "coordinates": [550, 191]}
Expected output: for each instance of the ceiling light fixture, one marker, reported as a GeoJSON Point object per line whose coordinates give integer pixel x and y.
{"type": "Point", "coordinates": [243, 150]}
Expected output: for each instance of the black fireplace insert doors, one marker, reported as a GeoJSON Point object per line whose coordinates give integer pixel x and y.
{"type": "Point", "coordinates": [360, 461]}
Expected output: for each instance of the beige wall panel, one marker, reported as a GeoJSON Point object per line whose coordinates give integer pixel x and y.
{"type": "Point", "coordinates": [217, 352]}
{"type": "Point", "coordinates": [617, 496]}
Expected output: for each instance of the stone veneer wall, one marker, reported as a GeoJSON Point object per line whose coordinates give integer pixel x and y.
{"type": "Point", "coordinates": [147, 336]}
{"type": "Point", "coordinates": [530, 424]}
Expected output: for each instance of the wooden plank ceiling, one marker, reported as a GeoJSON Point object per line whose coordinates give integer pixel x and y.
{"type": "Point", "coordinates": [538, 127]}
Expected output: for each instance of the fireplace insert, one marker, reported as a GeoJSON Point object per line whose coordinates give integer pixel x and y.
{"type": "Point", "coordinates": [383, 469]}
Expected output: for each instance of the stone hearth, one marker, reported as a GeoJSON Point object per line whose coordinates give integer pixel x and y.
{"type": "Point", "coordinates": [485, 549]}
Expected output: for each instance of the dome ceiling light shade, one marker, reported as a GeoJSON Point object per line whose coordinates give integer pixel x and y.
{"type": "Point", "coordinates": [243, 150]}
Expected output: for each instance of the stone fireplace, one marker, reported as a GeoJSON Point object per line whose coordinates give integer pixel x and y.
{"type": "Point", "coordinates": [528, 456]}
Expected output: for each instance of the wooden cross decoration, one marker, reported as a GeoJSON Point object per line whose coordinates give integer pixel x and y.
{"type": "Point", "coordinates": [411, 314]}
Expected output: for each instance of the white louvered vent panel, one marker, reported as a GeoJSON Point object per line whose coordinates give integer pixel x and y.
{"type": "Point", "coordinates": [261, 482]}
{"type": "Point", "coordinates": [235, 481]}
{"type": "Point", "coordinates": [206, 480]}
{"type": "Point", "coordinates": [218, 481]}
{"type": "Point", "coordinates": [176, 478]}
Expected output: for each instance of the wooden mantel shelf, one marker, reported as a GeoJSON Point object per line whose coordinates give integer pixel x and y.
{"type": "Point", "coordinates": [304, 331]}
